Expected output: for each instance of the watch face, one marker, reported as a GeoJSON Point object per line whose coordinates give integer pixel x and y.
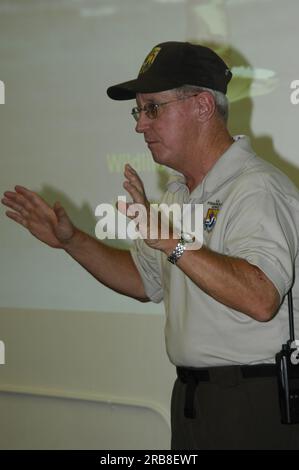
{"type": "Point", "coordinates": [188, 237]}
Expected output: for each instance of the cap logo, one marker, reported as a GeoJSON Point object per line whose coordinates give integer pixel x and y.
{"type": "Point", "coordinates": [149, 60]}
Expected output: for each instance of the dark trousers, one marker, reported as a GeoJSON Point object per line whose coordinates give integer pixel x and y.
{"type": "Point", "coordinates": [229, 408]}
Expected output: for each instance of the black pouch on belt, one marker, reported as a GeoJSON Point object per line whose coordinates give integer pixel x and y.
{"type": "Point", "coordinates": [287, 362]}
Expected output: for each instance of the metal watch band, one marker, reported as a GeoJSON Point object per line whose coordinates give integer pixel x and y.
{"type": "Point", "coordinates": [177, 252]}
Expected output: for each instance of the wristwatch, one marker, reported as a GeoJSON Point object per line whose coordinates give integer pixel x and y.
{"type": "Point", "coordinates": [180, 248]}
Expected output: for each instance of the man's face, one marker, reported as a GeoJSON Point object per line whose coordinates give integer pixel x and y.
{"type": "Point", "coordinates": [171, 135]}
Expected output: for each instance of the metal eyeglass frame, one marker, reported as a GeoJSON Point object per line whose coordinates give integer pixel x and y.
{"type": "Point", "coordinates": [151, 109]}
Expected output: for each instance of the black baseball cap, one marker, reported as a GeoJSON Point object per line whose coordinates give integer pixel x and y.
{"type": "Point", "coordinates": [173, 64]}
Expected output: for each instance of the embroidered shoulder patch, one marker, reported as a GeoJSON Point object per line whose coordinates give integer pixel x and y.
{"type": "Point", "coordinates": [211, 216]}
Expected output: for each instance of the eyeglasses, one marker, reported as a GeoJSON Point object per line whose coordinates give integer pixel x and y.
{"type": "Point", "coordinates": [151, 109]}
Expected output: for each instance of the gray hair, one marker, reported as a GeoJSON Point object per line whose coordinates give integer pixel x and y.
{"type": "Point", "coordinates": [220, 98]}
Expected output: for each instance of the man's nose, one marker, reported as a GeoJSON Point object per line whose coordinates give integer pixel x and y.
{"type": "Point", "coordinates": [143, 123]}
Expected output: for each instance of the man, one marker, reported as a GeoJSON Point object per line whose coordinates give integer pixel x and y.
{"type": "Point", "coordinates": [226, 309]}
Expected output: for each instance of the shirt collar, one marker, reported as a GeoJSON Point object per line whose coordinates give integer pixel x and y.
{"type": "Point", "coordinates": [227, 166]}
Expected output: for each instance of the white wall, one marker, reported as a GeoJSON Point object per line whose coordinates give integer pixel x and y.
{"type": "Point", "coordinates": [84, 380]}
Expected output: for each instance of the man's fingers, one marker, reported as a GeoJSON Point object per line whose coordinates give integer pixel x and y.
{"type": "Point", "coordinates": [16, 203]}
{"type": "Point", "coordinates": [129, 168]}
{"type": "Point", "coordinates": [15, 206]}
{"type": "Point", "coordinates": [134, 178]}
{"type": "Point", "coordinates": [134, 185]}
{"type": "Point", "coordinates": [16, 217]}
{"type": "Point", "coordinates": [28, 195]}
{"type": "Point", "coordinates": [24, 191]}
{"type": "Point", "coordinates": [25, 198]}
{"type": "Point", "coordinates": [20, 199]}
{"type": "Point", "coordinates": [59, 211]}
{"type": "Point", "coordinates": [132, 175]}
{"type": "Point", "coordinates": [134, 192]}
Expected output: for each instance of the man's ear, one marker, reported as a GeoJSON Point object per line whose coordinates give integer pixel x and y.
{"type": "Point", "coordinates": [206, 106]}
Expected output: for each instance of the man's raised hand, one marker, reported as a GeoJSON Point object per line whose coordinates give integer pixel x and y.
{"type": "Point", "coordinates": [50, 225]}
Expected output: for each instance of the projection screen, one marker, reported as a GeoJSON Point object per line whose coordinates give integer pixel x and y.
{"type": "Point", "coordinates": [64, 138]}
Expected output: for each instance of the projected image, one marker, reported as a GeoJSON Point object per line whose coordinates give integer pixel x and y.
{"type": "Point", "coordinates": [62, 137]}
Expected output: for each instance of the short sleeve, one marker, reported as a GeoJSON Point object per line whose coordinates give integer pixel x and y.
{"type": "Point", "coordinates": [147, 264]}
{"type": "Point", "coordinates": [262, 229]}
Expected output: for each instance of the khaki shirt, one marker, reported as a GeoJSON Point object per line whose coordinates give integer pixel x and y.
{"type": "Point", "coordinates": [251, 211]}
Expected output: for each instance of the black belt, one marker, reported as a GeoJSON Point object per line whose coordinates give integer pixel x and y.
{"type": "Point", "coordinates": [192, 377]}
